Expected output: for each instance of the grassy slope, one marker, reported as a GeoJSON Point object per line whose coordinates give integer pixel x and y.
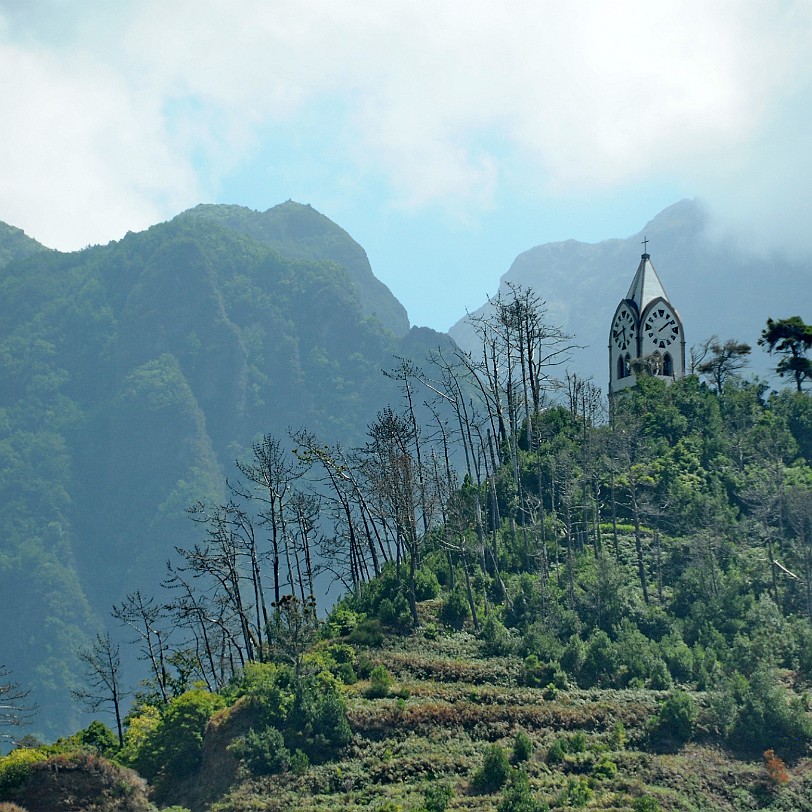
{"type": "Point", "coordinates": [459, 702]}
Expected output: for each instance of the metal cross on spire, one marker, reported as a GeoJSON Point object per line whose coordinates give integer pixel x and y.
{"type": "Point", "coordinates": [645, 245]}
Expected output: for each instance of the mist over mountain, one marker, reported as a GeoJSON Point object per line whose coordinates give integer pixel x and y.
{"type": "Point", "coordinates": [131, 377]}
{"type": "Point", "coordinates": [716, 287]}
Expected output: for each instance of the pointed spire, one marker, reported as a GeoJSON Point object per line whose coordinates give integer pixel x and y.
{"type": "Point", "coordinates": [646, 285]}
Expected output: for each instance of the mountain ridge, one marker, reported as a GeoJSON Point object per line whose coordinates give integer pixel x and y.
{"type": "Point", "coordinates": [716, 286]}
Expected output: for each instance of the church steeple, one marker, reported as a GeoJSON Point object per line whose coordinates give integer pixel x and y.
{"type": "Point", "coordinates": [646, 335]}
{"type": "Point", "coordinates": [646, 285]}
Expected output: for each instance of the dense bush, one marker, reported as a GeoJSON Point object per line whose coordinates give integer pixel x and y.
{"type": "Point", "coordinates": [675, 718]}
{"type": "Point", "coordinates": [522, 748]}
{"type": "Point", "coordinates": [437, 797]}
{"type": "Point", "coordinates": [494, 772]}
{"type": "Point", "coordinates": [15, 767]}
{"type": "Point", "coordinates": [380, 683]}
{"type": "Point", "coordinates": [317, 723]}
{"type": "Point", "coordinates": [759, 714]}
{"type": "Point", "coordinates": [263, 752]}
{"type": "Point", "coordinates": [173, 747]}
{"type": "Point", "coordinates": [496, 639]}
{"type": "Point", "coordinates": [455, 610]}
{"type": "Point", "coordinates": [518, 796]}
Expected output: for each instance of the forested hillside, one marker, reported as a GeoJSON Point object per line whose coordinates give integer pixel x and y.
{"type": "Point", "coordinates": [131, 377]}
{"type": "Point", "coordinates": [590, 610]}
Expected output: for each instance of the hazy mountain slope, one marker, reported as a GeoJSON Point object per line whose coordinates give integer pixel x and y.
{"type": "Point", "coordinates": [716, 287]}
{"type": "Point", "coordinates": [301, 232]}
{"type": "Point", "coordinates": [15, 244]}
{"type": "Point", "coordinates": [131, 377]}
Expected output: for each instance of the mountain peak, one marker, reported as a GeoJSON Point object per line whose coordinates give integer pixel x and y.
{"type": "Point", "coordinates": [300, 231]}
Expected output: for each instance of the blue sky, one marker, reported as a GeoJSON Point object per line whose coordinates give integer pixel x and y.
{"type": "Point", "coordinates": [445, 136]}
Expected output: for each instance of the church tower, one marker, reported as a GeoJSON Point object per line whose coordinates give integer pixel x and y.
{"type": "Point", "coordinates": [646, 336]}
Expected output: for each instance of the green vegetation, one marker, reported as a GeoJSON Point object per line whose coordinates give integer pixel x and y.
{"type": "Point", "coordinates": [542, 606]}
{"type": "Point", "coordinates": [132, 375]}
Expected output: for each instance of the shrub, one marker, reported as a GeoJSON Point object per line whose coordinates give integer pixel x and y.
{"type": "Point", "coordinates": [342, 621]}
{"type": "Point", "coordinates": [367, 633]}
{"type": "Point", "coordinates": [577, 793]}
{"type": "Point", "coordinates": [455, 609]}
{"type": "Point", "coordinates": [269, 688]}
{"type": "Point", "coordinates": [605, 768]}
{"type": "Point", "coordinates": [601, 660]}
{"type": "Point", "coordinates": [175, 745]}
{"type": "Point", "coordinates": [518, 797]}
{"type": "Point", "coordinates": [299, 763]}
{"type": "Point", "coordinates": [535, 672]}
{"type": "Point", "coordinates": [426, 585]}
{"type": "Point", "coordinates": [317, 722]}
{"type": "Point", "coordinates": [522, 748]}
{"type": "Point", "coordinates": [758, 714]}
{"type": "Point", "coordinates": [140, 728]}
{"type": "Point", "coordinates": [496, 639]}
{"type": "Point", "coordinates": [99, 738]}
{"type": "Point", "coordinates": [646, 804]}
{"type": "Point", "coordinates": [557, 750]}
{"type": "Point", "coordinates": [617, 738]}
{"type": "Point", "coordinates": [494, 772]}
{"type": "Point", "coordinates": [263, 752]}
{"type": "Point", "coordinates": [380, 683]}
{"type": "Point", "coordinates": [768, 716]}
{"type": "Point", "coordinates": [675, 718]}
{"type": "Point", "coordinates": [659, 676]}
{"type": "Point", "coordinates": [572, 658]}
{"type": "Point", "coordinates": [436, 797]}
{"type": "Point", "coordinates": [776, 769]}
{"type": "Point", "coordinates": [14, 767]}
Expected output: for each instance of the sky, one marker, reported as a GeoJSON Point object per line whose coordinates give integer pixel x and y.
{"type": "Point", "coordinates": [446, 136]}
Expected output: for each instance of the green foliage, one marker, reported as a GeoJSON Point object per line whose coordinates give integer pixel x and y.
{"type": "Point", "coordinates": [99, 738]}
{"type": "Point", "coordinates": [437, 797]}
{"type": "Point", "coordinates": [456, 609]}
{"type": "Point", "coordinates": [496, 639]}
{"type": "Point", "coordinates": [792, 339]}
{"type": "Point", "coordinates": [518, 796]}
{"type": "Point", "coordinates": [15, 767]}
{"type": "Point", "coordinates": [380, 683]}
{"type": "Point", "coordinates": [367, 633]}
{"type": "Point", "coordinates": [263, 752]}
{"type": "Point", "coordinates": [494, 772]}
{"type": "Point", "coordinates": [761, 715]}
{"type": "Point", "coordinates": [269, 689]}
{"type": "Point", "coordinates": [317, 723]}
{"type": "Point", "coordinates": [174, 746]}
{"type": "Point", "coordinates": [675, 718]}
{"type": "Point", "coordinates": [299, 762]}
{"type": "Point", "coordinates": [646, 804]}
{"type": "Point", "coordinates": [522, 748]}
{"type": "Point", "coordinates": [577, 793]}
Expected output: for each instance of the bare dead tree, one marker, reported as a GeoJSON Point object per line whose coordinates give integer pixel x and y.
{"type": "Point", "coordinates": [15, 708]}
{"type": "Point", "coordinates": [148, 620]}
{"type": "Point", "coordinates": [103, 689]}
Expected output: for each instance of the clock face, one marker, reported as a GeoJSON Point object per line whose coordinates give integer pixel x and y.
{"type": "Point", "coordinates": [661, 327]}
{"type": "Point", "coordinates": [624, 329]}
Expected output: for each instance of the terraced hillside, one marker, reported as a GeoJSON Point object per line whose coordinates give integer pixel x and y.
{"type": "Point", "coordinates": [450, 704]}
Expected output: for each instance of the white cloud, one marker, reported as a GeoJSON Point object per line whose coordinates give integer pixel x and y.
{"type": "Point", "coordinates": [443, 99]}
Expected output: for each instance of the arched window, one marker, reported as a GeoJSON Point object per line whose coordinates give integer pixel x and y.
{"type": "Point", "coordinates": [668, 365]}
{"type": "Point", "coordinates": [621, 367]}
{"type": "Point", "coordinates": [656, 363]}
{"type": "Point", "coordinates": [627, 366]}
